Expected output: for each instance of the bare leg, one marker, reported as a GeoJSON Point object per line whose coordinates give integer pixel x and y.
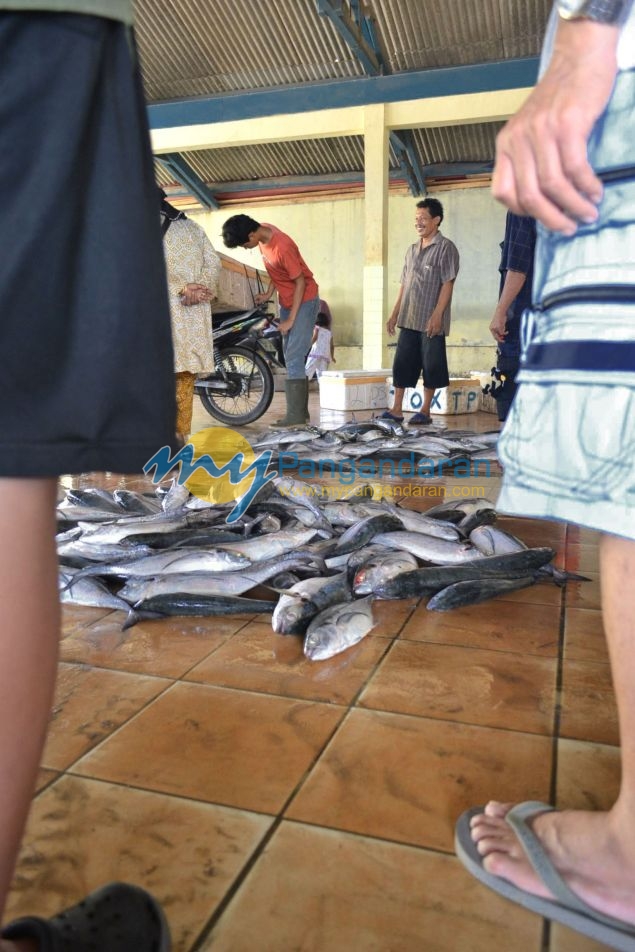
{"type": "Point", "coordinates": [594, 852]}
{"type": "Point", "coordinates": [428, 394]}
{"type": "Point", "coordinates": [398, 401]}
{"type": "Point", "coordinates": [29, 636]}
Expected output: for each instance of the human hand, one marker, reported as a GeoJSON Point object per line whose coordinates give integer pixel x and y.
{"type": "Point", "coordinates": [391, 325]}
{"type": "Point", "coordinates": [194, 293]}
{"type": "Point", "coordinates": [541, 154]}
{"type": "Point", "coordinates": [497, 326]}
{"type": "Point", "coordinates": [261, 298]}
{"type": "Point", "coordinates": [434, 325]}
{"type": "Point", "coordinates": [285, 326]}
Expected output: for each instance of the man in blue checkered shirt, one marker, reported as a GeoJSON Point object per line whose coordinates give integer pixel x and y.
{"type": "Point", "coordinates": [517, 269]}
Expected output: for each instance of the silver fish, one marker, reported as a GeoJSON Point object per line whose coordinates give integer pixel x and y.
{"type": "Point", "coordinates": [267, 546]}
{"type": "Point", "coordinates": [89, 591]}
{"type": "Point", "coordinates": [202, 606]}
{"type": "Point", "coordinates": [414, 521]}
{"type": "Point", "coordinates": [182, 560]}
{"type": "Point", "coordinates": [461, 594]}
{"type": "Point", "coordinates": [205, 583]}
{"type": "Point", "coordinates": [380, 569]}
{"type": "Point", "coordinates": [493, 541]}
{"type": "Point", "coordinates": [303, 601]}
{"type": "Point", "coordinates": [338, 628]}
{"type": "Point", "coordinates": [430, 549]}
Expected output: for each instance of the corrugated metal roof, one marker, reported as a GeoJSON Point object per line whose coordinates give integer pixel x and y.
{"type": "Point", "coordinates": [195, 48]}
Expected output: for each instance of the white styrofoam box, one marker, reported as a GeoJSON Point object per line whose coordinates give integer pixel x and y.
{"type": "Point", "coordinates": [237, 285]}
{"type": "Point", "coordinates": [462, 396]}
{"type": "Point", "coordinates": [488, 403]}
{"type": "Point", "coordinates": [353, 389]}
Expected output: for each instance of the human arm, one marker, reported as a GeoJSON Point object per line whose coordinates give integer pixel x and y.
{"type": "Point", "coordinates": [434, 324]}
{"type": "Point", "coordinates": [299, 285]}
{"type": "Point", "coordinates": [394, 314]}
{"type": "Point", "coordinates": [514, 282]}
{"type": "Point", "coordinates": [333, 350]}
{"type": "Point", "coordinates": [265, 295]}
{"type": "Point", "coordinates": [541, 154]}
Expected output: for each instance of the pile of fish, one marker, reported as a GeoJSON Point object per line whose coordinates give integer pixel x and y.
{"type": "Point", "coordinates": [385, 446]}
{"type": "Point", "coordinates": [316, 564]}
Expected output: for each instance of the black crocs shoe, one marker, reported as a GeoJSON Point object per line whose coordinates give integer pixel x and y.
{"type": "Point", "coordinates": [116, 918]}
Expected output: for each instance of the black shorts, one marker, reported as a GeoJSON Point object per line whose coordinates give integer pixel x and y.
{"type": "Point", "coordinates": [87, 374]}
{"type": "Point", "coordinates": [417, 353]}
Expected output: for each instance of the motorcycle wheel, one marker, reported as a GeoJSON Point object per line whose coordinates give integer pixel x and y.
{"type": "Point", "coordinates": [254, 381]}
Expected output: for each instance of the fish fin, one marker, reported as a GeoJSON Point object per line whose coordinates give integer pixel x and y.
{"type": "Point", "coordinates": [134, 617]}
{"type": "Point", "coordinates": [561, 577]}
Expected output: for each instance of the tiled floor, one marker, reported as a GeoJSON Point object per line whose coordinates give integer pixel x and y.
{"type": "Point", "coordinates": [278, 805]}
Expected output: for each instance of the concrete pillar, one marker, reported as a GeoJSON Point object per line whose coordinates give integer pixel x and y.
{"type": "Point", "coordinates": [376, 167]}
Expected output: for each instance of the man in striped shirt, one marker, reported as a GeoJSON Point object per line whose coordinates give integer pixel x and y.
{"type": "Point", "coordinates": [422, 312]}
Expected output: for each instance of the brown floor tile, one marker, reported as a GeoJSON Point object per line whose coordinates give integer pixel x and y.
{"type": "Point", "coordinates": [75, 617]}
{"type": "Point", "coordinates": [534, 532]}
{"type": "Point", "coordinates": [299, 895]}
{"type": "Point", "coordinates": [231, 747]}
{"type": "Point", "coordinates": [408, 779]}
{"type": "Point", "coordinates": [579, 535]}
{"type": "Point", "coordinates": [391, 616]}
{"type": "Point", "coordinates": [82, 833]}
{"type": "Point", "coordinates": [584, 594]}
{"type": "Point", "coordinates": [91, 703]}
{"type": "Point", "coordinates": [544, 592]}
{"type": "Point", "coordinates": [566, 940]}
{"type": "Point", "coordinates": [257, 659]}
{"type": "Point", "coordinates": [584, 638]}
{"type": "Point", "coordinates": [588, 775]}
{"type": "Point", "coordinates": [588, 703]}
{"type": "Point", "coordinates": [44, 777]}
{"type": "Point", "coordinates": [582, 558]}
{"type": "Point", "coordinates": [495, 625]}
{"type": "Point", "coordinates": [491, 688]}
{"type": "Point", "coordinates": [167, 647]}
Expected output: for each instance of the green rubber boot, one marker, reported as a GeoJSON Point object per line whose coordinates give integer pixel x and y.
{"type": "Point", "coordinates": [295, 392]}
{"type": "Point", "coordinates": [307, 415]}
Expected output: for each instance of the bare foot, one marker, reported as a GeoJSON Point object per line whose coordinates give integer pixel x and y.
{"type": "Point", "coordinates": [593, 852]}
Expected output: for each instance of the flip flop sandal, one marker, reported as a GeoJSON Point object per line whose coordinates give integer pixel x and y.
{"type": "Point", "coordinates": [420, 419]}
{"type": "Point", "coordinates": [387, 415]}
{"type": "Point", "coordinates": [116, 918]}
{"type": "Point", "coordinates": [567, 908]}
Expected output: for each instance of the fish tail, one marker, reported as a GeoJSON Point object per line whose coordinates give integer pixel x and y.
{"type": "Point", "coordinates": [136, 616]}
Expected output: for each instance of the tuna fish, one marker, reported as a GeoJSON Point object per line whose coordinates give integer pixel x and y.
{"type": "Point", "coordinates": [338, 628]}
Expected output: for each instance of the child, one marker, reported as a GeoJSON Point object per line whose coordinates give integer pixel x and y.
{"type": "Point", "coordinates": [322, 349]}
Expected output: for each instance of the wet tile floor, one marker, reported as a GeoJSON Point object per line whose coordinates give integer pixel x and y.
{"type": "Point", "coordinates": [273, 804]}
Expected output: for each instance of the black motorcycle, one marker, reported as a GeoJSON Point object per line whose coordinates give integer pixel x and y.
{"type": "Point", "coordinates": [245, 346]}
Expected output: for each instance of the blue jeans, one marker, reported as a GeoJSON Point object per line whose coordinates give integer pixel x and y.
{"type": "Point", "coordinates": [297, 343]}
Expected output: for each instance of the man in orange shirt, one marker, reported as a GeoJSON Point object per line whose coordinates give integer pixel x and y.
{"type": "Point", "coordinates": [299, 296]}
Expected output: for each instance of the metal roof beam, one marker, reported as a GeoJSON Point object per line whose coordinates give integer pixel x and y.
{"type": "Point", "coordinates": [337, 94]}
{"type": "Point", "coordinates": [404, 163]}
{"type": "Point", "coordinates": [345, 22]}
{"type": "Point", "coordinates": [343, 180]}
{"type": "Point", "coordinates": [185, 174]}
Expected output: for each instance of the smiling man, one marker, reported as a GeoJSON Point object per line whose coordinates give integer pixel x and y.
{"type": "Point", "coordinates": [422, 312]}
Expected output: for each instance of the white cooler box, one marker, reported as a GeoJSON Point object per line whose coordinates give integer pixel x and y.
{"type": "Point", "coordinates": [488, 403]}
{"type": "Point", "coordinates": [353, 389]}
{"type": "Point", "coordinates": [462, 396]}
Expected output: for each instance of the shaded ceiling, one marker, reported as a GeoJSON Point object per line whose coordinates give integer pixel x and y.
{"type": "Point", "coordinates": [198, 48]}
